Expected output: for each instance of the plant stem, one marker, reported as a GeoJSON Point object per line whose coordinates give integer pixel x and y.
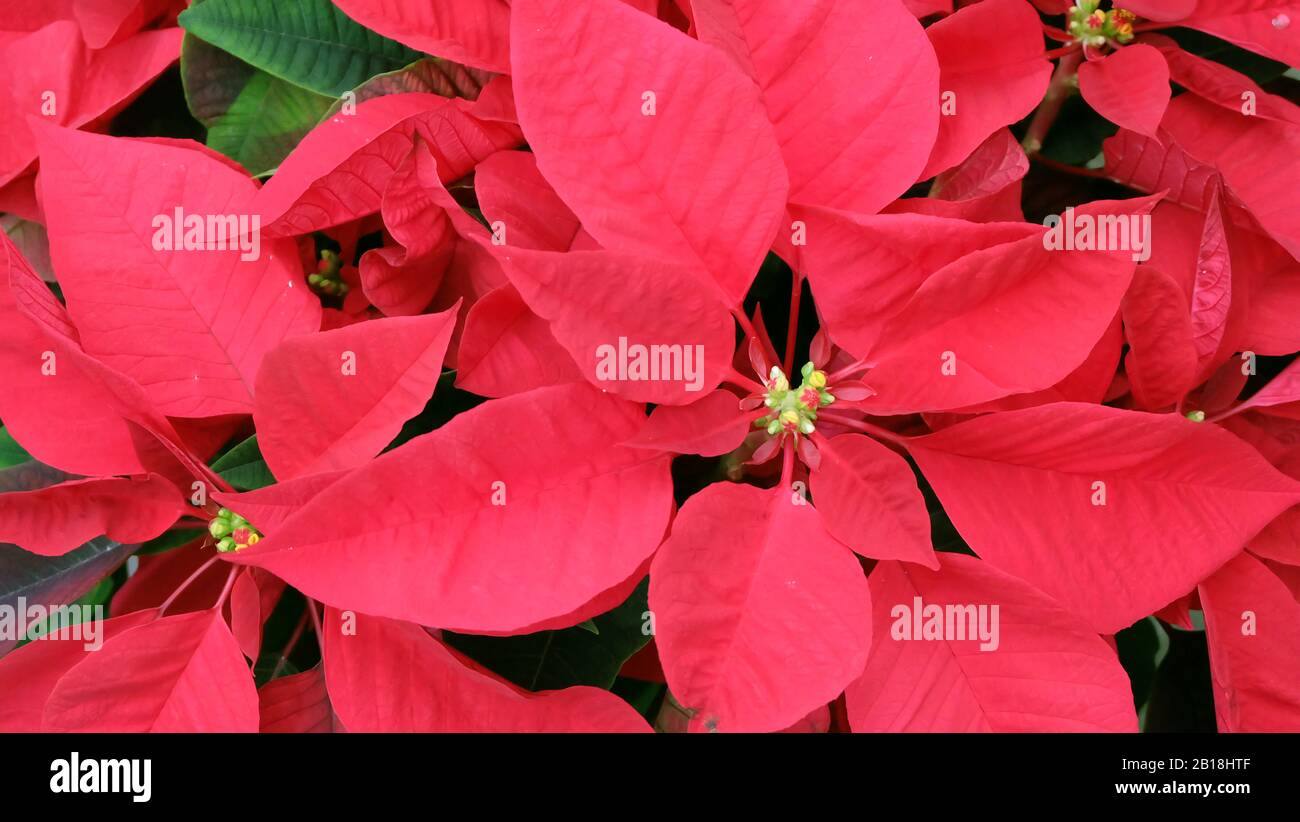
{"type": "Point", "coordinates": [293, 640]}
{"type": "Point", "coordinates": [1057, 92]}
{"type": "Point", "coordinates": [174, 594]}
{"type": "Point", "coordinates": [787, 463]}
{"type": "Point", "coordinates": [230, 583]}
{"type": "Point", "coordinates": [865, 427]}
{"type": "Point", "coordinates": [1048, 162]}
{"type": "Point", "coordinates": [796, 292]}
{"type": "Point", "coordinates": [740, 380]}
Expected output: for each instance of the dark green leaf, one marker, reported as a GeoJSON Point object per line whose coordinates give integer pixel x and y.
{"type": "Point", "coordinates": [1142, 647]}
{"type": "Point", "coordinates": [243, 466]}
{"type": "Point", "coordinates": [252, 117]}
{"type": "Point", "coordinates": [170, 540]}
{"type": "Point", "coordinates": [11, 453]}
{"type": "Point", "coordinates": [309, 43]}
{"type": "Point", "coordinates": [549, 660]}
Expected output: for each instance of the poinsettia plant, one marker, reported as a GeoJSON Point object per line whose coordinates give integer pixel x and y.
{"type": "Point", "coordinates": [709, 365]}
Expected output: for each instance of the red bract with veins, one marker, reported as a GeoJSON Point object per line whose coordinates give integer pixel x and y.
{"type": "Point", "coordinates": [799, 367]}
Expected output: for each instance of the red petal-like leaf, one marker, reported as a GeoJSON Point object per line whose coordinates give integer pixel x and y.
{"type": "Point", "coordinates": [341, 168]}
{"type": "Point", "coordinates": [992, 82]}
{"type": "Point", "coordinates": [53, 76]}
{"type": "Point", "coordinates": [1130, 87]}
{"type": "Point", "coordinates": [507, 349]}
{"type": "Point", "coordinates": [29, 673]}
{"type": "Point", "coordinates": [1021, 661]}
{"type": "Point", "coordinates": [1161, 359]}
{"type": "Point", "coordinates": [666, 185]}
{"type": "Point", "coordinates": [844, 86]}
{"type": "Point", "coordinates": [179, 674]}
{"type": "Point", "coordinates": [711, 426]}
{"type": "Point", "coordinates": [401, 280]}
{"type": "Point", "coordinates": [1252, 625]}
{"type": "Point", "coordinates": [53, 521]}
{"type": "Point", "coordinates": [1129, 510]}
{"type": "Point", "coordinates": [760, 615]}
{"type": "Point", "coordinates": [474, 32]}
{"type": "Point", "coordinates": [190, 325]}
{"type": "Point", "coordinates": [390, 676]}
{"type": "Point", "coordinates": [640, 327]}
{"type": "Point", "coordinates": [1258, 157]}
{"type": "Point", "coordinates": [1011, 319]}
{"type": "Point", "coordinates": [298, 704]}
{"type": "Point", "coordinates": [534, 493]}
{"type": "Point", "coordinates": [334, 399]}
{"type": "Point", "coordinates": [512, 192]}
{"type": "Point", "coordinates": [868, 498]}
{"type": "Point", "coordinates": [863, 270]}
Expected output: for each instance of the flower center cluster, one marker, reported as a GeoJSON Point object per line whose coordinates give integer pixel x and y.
{"type": "Point", "coordinates": [794, 410]}
{"type": "Point", "coordinates": [1096, 28]}
{"type": "Point", "coordinates": [326, 280]}
{"type": "Point", "coordinates": [232, 532]}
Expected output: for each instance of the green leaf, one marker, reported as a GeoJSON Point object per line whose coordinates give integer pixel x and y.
{"type": "Point", "coordinates": [267, 662]}
{"type": "Point", "coordinates": [549, 660]}
{"type": "Point", "coordinates": [170, 540]}
{"type": "Point", "coordinates": [446, 403]}
{"type": "Point", "coordinates": [309, 43]}
{"type": "Point", "coordinates": [11, 453]}
{"type": "Point", "coordinates": [243, 466]}
{"type": "Point", "coordinates": [252, 117]}
{"type": "Point", "coordinates": [1142, 647]}
{"type": "Point", "coordinates": [1078, 134]}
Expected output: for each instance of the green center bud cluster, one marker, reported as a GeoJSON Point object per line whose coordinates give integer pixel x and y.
{"type": "Point", "coordinates": [326, 280]}
{"type": "Point", "coordinates": [1096, 28]}
{"type": "Point", "coordinates": [794, 410]}
{"type": "Point", "coordinates": [232, 532]}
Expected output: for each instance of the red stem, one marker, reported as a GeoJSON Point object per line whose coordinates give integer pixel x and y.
{"type": "Point", "coordinates": [844, 372]}
{"type": "Point", "coordinates": [1060, 35]}
{"type": "Point", "coordinates": [315, 622]}
{"type": "Point", "coordinates": [293, 641]}
{"type": "Point", "coordinates": [739, 379]}
{"type": "Point", "coordinates": [745, 324]}
{"type": "Point", "coordinates": [1048, 162]}
{"type": "Point", "coordinates": [796, 292]}
{"type": "Point", "coordinates": [230, 583]}
{"type": "Point", "coordinates": [865, 427]}
{"type": "Point", "coordinates": [1062, 51]}
{"type": "Point", "coordinates": [787, 463]}
{"type": "Point", "coordinates": [1058, 90]}
{"type": "Point", "coordinates": [174, 594]}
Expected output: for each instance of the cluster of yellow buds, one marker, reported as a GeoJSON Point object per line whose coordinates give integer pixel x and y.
{"type": "Point", "coordinates": [794, 410]}
{"type": "Point", "coordinates": [1096, 28]}
{"type": "Point", "coordinates": [326, 279]}
{"type": "Point", "coordinates": [232, 532]}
